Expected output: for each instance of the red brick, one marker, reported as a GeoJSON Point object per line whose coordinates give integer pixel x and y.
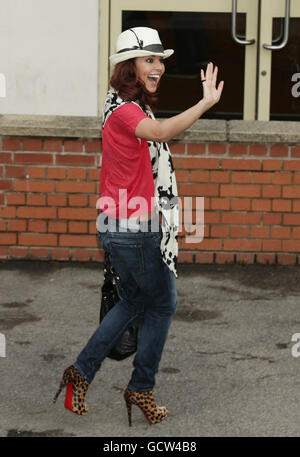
{"type": "Point", "coordinates": [239, 232]}
{"type": "Point", "coordinates": [52, 145]}
{"type": "Point", "coordinates": [94, 174]}
{"type": "Point", "coordinates": [271, 191]}
{"type": "Point", "coordinates": [15, 172]}
{"type": "Point", "coordinates": [81, 255]}
{"type": "Point", "coordinates": [241, 204]}
{"type": "Point", "coordinates": [32, 144]}
{"type": "Point", "coordinates": [37, 239]}
{"type": "Point", "coordinates": [291, 192]}
{"type": "Point", "coordinates": [262, 178]}
{"type": "Point", "coordinates": [241, 218]}
{"type": "Point", "coordinates": [75, 187]}
{"type": "Point", "coordinates": [260, 232]}
{"type": "Point", "coordinates": [11, 144]}
{"type": "Point", "coordinates": [282, 178]}
{"type": "Point", "coordinates": [37, 226]}
{"type": "Point", "coordinates": [78, 240]}
{"type": "Point", "coordinates": [241, 164]}
{"type": "Point", "coordinates": [195, 176]}
{"type": "Point", "coordinates": [261, 205]}
{"type": "Point", "coordinates": [279, 151]}
{"type": "Point", "coordinates": [60, 254]}
{"type": "Point", "coordinates": [243, 177]}
{"type": "Point", "coordinates": [291, 245]}
{"type": "Point", "coordinates": [57, 200]}
{"type": "Point", "coordinates": [242, 245]}
{"type": "Point", "coordinates": [258, 150]}
{"type": "Point", "coordinates": [1, 199]}
{"type": "Point", "coordinates": [57, 173]}
{"type": "Point", "coordinates": [199, 163]}
{"type": "Point", "coordinates": [5, 184]}
{"type": "Point", "coordinates": [195, 148]}
{"type": "Point", "coordinates": [198, 189]}
{"type": "Point", "coordinates": [3, 227]}
{"type": "Point", "coordinates": [220, 203]}
{"type": "Point", "coordinates": [296, 178]}
{"type": "Point", "coordinates": [292, 165]}
{"type": "Point", "coordinates": [224, 257]}
{"type": "Point", "coordinates": [78, 200]}
{"type": "Point", "coordinates": [272, 219]}
{"type": "Point", "coordinates": [19, 253]}
{"type": "Point", "coordinates": [15, 199]}
{"type": "Point", "coordinates": [272, 164]}
{"type": "Point", "coordinates": [36, 172]}
{"type": "Point", "coordinates": [245, 259]}
{"type": "Point", "coordinates": [92, 228]}
{"type": "Point", "coordinates": [228, 190]}
{"type": "Point", "coordinates": [75, 159]}
{"type": "Point", "coordinates": [78, 227]}
{"type": "Point", "coordinates": [296, 233]}
{"type": "Point", "coordinates": [287, 259]}
{"type": "Point", "coordinates": [8, 238]}
{"type": "Point", "coordinates": [291, 219]}
{"type": "Point", "coordinates": [77, 213]}
{"type": "Point", "coordinates": [17, 225]}
{"type": "Point", "coordinates": [266, 259]}
{"type": "Point", "coordinates": [219, 176]}
{"type": "Point", "coordinates": [32, 158]}
{"type": "Point", "coordinates": [213, 244]}
{"type": "Point", "coordinates": [4, 253]}
{"type": "Point", "coordinates": [36, 212]}
{"type": "Point", "coordinates": [40, 253]}
{"type": "Point", "coordinates": [93, 146]}
{"type": "Point", "coordinates": [281, 232]}
{"type": "Point", "coordinates": [5, 157]}
{"type": "Point", "coordinates": [238, 149]}
{"type": "Point", "coordinates": [204, 258]}
{"type": "Point", "coordinates": [177, 148]}
{"type": "Point", "coordinates": [73, 145]}
{"type": "Point", "coordinates": [282, 205]}
{"type": "Point", "coordinates": [295, 151]}
{"type": "Point", "coordinates": [36, 199]}
{"type": "Point", "coordinates": [296, 206]}
{"type": "Point", "coordinates": [216, 148]}
{"type": "Point", "coordinates": [33, 186]}
{"type": "Point", "coordinates": [219, 231]}
{"type": "Point", "coordinates": [271, 245]}
{"type": "Point", "coordinates": [98, 256]}
{"type": "Point", "coordinates": [77, 173]}
{"type": "Point", "coordinates": [7, 212]}
{"type": "Point", "coordinates": [57, 227]}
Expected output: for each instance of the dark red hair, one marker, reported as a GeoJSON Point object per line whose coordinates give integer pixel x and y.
{"type": "Point", "coordinates": [124, 80]}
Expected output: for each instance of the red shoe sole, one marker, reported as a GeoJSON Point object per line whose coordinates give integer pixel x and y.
{"type": "Point", "coordinates": [68, 399]}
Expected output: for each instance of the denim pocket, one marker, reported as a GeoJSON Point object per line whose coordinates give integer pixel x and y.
{"type": "Point", "coordinates": [127, 255]}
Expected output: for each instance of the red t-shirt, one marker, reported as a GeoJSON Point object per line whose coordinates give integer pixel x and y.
{"type": "Point", "coordinates": [126, 170]}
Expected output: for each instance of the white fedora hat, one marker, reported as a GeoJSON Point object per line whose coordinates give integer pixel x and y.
{"type": "Point", "coordinates": [139, 42]}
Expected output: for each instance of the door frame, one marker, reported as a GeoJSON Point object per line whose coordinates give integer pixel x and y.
{"type": "Point", "coordinates": [111, 27]}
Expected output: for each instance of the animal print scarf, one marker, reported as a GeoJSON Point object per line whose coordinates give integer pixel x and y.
{"type": "Point", "coordinates": [165, 194]}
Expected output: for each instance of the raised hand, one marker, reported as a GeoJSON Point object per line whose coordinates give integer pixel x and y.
{"type": "Point", "coordinates": [211, 94]}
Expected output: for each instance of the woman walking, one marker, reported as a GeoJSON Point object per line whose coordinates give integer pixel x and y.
{"type": "Point", "coordinates": [138, 224]}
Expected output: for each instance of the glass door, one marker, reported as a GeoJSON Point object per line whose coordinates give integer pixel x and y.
{"type": "Point", "coordinates": [279, 61]}
{"type": "Point", "coordinates": [221, 31]}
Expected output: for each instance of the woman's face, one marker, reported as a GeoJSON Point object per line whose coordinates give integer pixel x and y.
{"type": "Point", "coordinates": [149, 70]}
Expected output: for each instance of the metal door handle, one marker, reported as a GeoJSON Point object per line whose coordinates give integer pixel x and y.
{"type": "Point", "coordinates": [237, 38]}
{"type": "Point", "coordinates": [272, 47]}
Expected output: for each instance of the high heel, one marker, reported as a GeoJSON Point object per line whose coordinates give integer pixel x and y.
{"type": "Point", "coordinates": [76, 390]}
{"type": "Point", "coordinates": [145, 401]}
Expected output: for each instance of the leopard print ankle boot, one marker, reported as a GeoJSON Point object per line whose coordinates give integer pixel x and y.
{"type": "Point", "coordinates": [145, 401]}
{"type": "Point", "coordinates": [76, 389]}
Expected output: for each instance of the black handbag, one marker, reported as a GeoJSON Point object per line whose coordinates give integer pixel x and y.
{"type": "Point", "coordinates": [111, 293]}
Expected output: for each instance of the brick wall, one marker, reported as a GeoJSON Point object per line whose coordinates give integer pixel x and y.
{"type": "Point", "coordinates": [49, 188]}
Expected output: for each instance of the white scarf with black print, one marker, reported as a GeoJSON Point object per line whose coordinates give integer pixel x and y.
{"type": "Point", "coordinates": [165, 193]}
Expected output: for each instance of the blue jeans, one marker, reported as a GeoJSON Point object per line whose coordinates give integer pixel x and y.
{"type": "Point", "coordinates": [149, 291]}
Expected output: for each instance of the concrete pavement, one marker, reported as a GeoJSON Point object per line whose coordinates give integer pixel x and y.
{"type": "Point", "coordinates": [227, 368]}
